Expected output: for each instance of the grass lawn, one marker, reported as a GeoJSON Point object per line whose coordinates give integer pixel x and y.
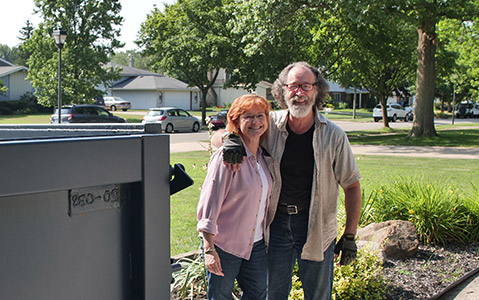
{"type": "Point", "coordinates": [447, 137]}
{"type": "Point", "coordinates": [375, 170]}
{"type": "Point", "coordinates": [25, 119]}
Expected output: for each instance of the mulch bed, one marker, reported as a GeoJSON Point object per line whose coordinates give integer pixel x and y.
{"type": "Point", "coordinates": [430, 271]}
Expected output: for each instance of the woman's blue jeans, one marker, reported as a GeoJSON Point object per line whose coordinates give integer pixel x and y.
{"type": "Point", "coordinates": [251, 275]}
{"type": "Point", "coordinates": [288, 235]}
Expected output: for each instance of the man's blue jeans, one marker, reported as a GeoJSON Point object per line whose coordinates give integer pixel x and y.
{"type": "Point", "coordinates": [251, 275]}
{"type": "Point", "coordinates": [288, 235]}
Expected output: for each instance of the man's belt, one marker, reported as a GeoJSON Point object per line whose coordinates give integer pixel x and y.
{"type": "Point", "coordinates": [290, 209]}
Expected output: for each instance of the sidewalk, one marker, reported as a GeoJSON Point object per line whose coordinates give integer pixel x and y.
{"type": "Point", "coordinates": [468, 290]}
{"type": "Point", "coordinates": [412, 151]}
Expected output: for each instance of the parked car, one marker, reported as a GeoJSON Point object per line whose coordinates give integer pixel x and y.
{"type": "Point", "coordinates": [219, 120]}
{"type": "Point", "coordinates": [475, 110]}
{"type": "Point", "coordinates": [99, 101]}
{"type": "Point", "coordinates": [394, 112]}
{"type": "Point", "coordinates": [115, 103]}
{"type": "Point", "coordinates": [467, 110]}
{"type": "Point", "coordinates": [85, 113]}
{"type": "Point", "coordinates": [172, 119]}
{"type": "Point", "coordinates": [410, 113]}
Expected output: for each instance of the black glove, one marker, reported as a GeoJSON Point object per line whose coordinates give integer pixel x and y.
{"type": "Point", "coordinates": [347, 246]}
{"type": "Point", "coordinates": [233, 149]}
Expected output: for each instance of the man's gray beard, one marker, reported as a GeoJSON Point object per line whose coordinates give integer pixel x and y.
{"type": "Point", "coordinates": [299, 111]}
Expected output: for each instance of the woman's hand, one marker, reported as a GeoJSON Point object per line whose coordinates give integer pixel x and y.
{"type": "Point", "coordinates": [213, 263]}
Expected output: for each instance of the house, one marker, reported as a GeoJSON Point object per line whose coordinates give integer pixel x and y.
{"type": "Point", "coordinates": [145, 89]}
{"type": "Point", "coordinates": [14, 78]}
{"type": "Point", "coordinates": [222, 97]}
{"type": "Point", "coordinates": [346, 95]}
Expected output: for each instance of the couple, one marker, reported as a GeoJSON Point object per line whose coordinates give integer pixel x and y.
{"type": "Point", "coordinates": [255, 224]}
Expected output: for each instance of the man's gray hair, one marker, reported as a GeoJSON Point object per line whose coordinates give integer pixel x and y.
{"type": "Point", "coordinates": [278, 88]}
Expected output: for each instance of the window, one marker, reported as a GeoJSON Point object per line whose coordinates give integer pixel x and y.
{"type": "Point", "coordinates": [182, 113]}
{"type": "Point", "coordinates": [336, 97]}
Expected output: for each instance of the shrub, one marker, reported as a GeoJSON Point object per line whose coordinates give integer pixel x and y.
{"type": "Point", "coordinates": [472, 205]}
{"type": "Point", "coordinates": [437, 211]}
{"type": "Point", "coordinates": [26, 105]}
{"type": "Point", "coordinates": [190, 282]}
{"type": "Point", "coordinates": [343, 105]}
{"type": "Point", "coordinates": [362, 279]}
{"type": "Point", "coordinates": [442, 115]}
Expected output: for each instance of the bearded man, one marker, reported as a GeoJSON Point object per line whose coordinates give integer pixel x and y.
{"type": "Point", "coordinates": [312, 158]}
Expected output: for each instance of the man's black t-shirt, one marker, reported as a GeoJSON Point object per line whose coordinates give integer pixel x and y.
{"type": "Point", "coordinates": [297, 167]}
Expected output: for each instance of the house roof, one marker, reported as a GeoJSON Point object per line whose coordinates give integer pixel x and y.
{"type": "Point", "coordinates": [151, 82]}
{"type": "Point", "coordinates": [4, 63]}
{"type": "Point", "coordinates": [138, 79]}
{"type": "Point", "coordinates": [4, 71]}
{"type": "Point", "coordinates": [336, 88]}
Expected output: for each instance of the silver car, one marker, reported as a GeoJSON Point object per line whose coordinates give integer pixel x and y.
{"type": "Point", "coordinates": [172, 119]}
{"type": "Point", "coordinates": [115, 103]}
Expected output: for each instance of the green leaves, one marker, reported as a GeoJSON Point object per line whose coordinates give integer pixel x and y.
{"type": "Point", "coordinates": [437, 210]}
{"type": "Point", "coordinates": [92, 28]}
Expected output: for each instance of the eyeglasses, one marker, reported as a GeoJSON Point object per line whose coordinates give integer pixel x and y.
{"type": "Point", "coordinates": [250, 118]}
{"type": "Point", "coordinates": [305, 86]}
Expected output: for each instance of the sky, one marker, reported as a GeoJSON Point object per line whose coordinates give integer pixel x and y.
{"type": "Point", "coordinates": [16, 12]}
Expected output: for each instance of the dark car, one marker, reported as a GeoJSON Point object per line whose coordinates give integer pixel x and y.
{"type": "Point", "coordinates": [85, 113]}
{"type": "Point", "coordinates": [218, 120]}
{"type": "Point", "coordinates": [464, 110]}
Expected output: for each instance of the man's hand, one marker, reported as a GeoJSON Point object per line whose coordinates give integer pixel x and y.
{"type": "Point", "coordinates": [347, 246]}
{"type": "Point", "coordinates": [233, 149]}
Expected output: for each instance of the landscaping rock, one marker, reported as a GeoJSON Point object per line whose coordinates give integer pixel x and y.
{"type": "Point", "coordinates": [392, 239]}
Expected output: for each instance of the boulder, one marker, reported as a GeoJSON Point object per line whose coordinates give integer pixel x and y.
{"type": "Point", "coordinates": [392, 239]}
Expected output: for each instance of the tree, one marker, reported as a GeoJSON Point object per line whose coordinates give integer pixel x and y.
{"type": "Point", "coordinates": [3, 89]}
{"type": "Point", "coordinates": [460, 40]}
{"type": "Point", "coordinates": [190, 41]}
{"type": "Point", "coordinates": [140, 61]}
{"type": "Point", "coordinates": [425, 15]}
{"type": "Point", "coordinates": [92, 29]}
{"type": "Point", "coordinates": [273, 34]}
{"type": "Point", "coordinates": [12, 55]}
{"type": "Point", "coordinates": [382, 59]}
{"type": "Point", "coordinates": [26, 31]}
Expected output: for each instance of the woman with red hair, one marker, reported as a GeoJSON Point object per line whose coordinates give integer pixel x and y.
{"type": "Point", "coordinates": [233, 205]}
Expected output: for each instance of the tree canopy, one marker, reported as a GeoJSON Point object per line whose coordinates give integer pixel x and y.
{"type": "Point", "coordinates": [425, 16]}
{"type": "Point", "coordinates": [382, 59]}
{"type": "Point", "coordinates": [189, 41]}
{"type": "Point", "coordinates": [92, 28]}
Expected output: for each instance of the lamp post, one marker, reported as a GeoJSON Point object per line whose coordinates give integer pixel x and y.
{"type": "Point", "coordinates": [454, 76]}
{"type": "Point", "coordinates": [453, 102]}
{"type": "Point", "coordinates": [60, 36]}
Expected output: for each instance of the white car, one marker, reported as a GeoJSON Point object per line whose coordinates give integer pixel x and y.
{"type": "Point", "coordinates": [172, 119]}
{"type": "Point", "coordinates": [115, 103]}
{"type": "Point", "coordinates": [394, 112]}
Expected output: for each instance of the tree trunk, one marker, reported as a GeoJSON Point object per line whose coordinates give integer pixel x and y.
{"type": "Point", "coordinates": [424, 120]}
{"type": "Point", "coordinates": [204, 93]}
{"type": "Point", "coordinates": [383, 99]}
{"type": "Point", "coordinates": [354, 103]}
